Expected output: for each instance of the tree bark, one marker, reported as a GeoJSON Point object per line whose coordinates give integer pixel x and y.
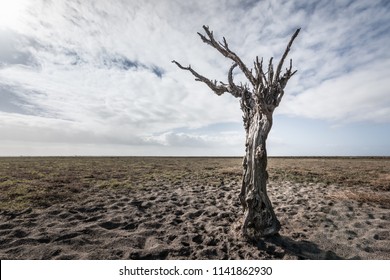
{"type": "Point", "coordinates": [257, 105]}
{"type": "Point", "coordinates": [259, 216]}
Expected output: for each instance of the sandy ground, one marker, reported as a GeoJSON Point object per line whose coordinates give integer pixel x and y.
{"type": "Point", "coordinates": [184, 221]}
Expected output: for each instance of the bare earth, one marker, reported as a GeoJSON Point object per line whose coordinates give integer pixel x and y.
{"type": "Point", "coordinates": [107, 208]}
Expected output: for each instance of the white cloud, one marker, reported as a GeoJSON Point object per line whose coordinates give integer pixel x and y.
{"type": "Point", "coordinates": [227, 139]}
{"type": "Point", "coordinates": [362, 95]}
{"type": "Point", "coordinates": [87, 69]}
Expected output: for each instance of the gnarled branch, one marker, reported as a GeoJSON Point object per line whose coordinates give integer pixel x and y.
{"type": "Point", "coordinates": [268, 88]}
{"type": "Point", "coordinates": [261, 79]}
{"type": "Point", "coordinates": [235, 90]}
{"type": "Point", "coordinates": [223, 48]}
{"type": "Point", "coordinates": [280, 65]}
{"type": "Point", "coordinates": [218, 89]}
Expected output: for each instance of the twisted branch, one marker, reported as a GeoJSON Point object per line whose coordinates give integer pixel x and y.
{"type": "Point", "coordinates": [235, 90]}
{"type": "Point", "coordinates": [280, 65]}
{"type": "Point", "coordinates": [223, 48]}
{"type": "Point", "coordinates": [217, 89]}
{"type": "Point", "coordinates": [268, 88]}
{"type": "Point", "coordinates": [261, 78]}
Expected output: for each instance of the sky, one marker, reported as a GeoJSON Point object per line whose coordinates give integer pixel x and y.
{"type": "Point", "coordinates": [95, 78]}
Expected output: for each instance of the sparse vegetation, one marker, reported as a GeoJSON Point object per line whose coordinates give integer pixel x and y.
{"type": "Point", "coordinates": [39, 182]}
{"type": "Point", "coordinates": [372, 172]}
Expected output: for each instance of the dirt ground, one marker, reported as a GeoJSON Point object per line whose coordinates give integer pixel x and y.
{"type": "Point", "coordinates": [187, 208]}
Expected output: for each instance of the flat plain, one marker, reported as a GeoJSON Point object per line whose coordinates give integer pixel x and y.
{"type": "Point", "coordinates": [187, 208]}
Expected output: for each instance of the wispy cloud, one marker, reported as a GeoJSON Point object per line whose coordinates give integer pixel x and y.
{"type": "Point", "coordinates": [359, 95]}
{"type": "Point", "coordinates": [100, 72]}
{"type": "Point", "coordinates": [344, 63]}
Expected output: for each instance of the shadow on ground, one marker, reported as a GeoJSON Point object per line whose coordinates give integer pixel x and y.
{"type": "Point", "coordinates": [301, 249]}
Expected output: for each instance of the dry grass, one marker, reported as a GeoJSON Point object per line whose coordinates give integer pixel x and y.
{"type": "Point", "coordinates": [41, 182]}
{"type": "Point", "coordinates": [361, 179]}
{"type": "Point", "coordinates": [371, 172]}
{"type": "Point", "coordinates": [366, 197]}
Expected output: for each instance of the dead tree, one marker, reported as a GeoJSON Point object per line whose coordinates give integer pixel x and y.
{"type": "Point", "coordinates": [258, 101]}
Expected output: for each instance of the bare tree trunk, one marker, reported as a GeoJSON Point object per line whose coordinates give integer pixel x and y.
{"type": "Point", "coordinates": [258, 105]}
{"type": "Point", "coordinates": [259, 216]}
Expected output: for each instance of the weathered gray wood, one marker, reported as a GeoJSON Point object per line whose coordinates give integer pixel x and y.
{"type": "Point", "coordinates": [257, 105]}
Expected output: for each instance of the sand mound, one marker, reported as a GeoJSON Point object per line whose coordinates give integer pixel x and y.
{"type": "Point", "coordinates": [186, 221]}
